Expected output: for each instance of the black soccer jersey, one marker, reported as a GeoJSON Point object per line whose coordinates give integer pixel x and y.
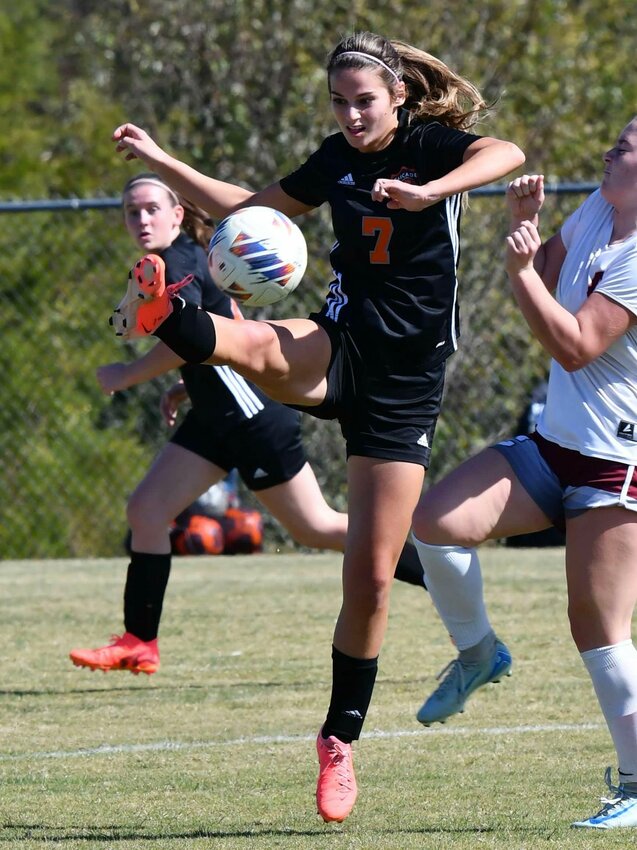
{"type": "Point", "coordinates": [218, 394]}
{"type": "Point", "coordinates": [395, 286]}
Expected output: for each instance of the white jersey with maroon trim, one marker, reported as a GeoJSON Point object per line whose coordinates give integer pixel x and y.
{"type": "Point", "coordinates": [594, 409]}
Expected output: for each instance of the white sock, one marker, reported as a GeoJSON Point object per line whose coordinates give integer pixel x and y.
{"type": "Point", "coordinates": [454, 582]}
{"type": "Point", "coordinates": [613, 670]}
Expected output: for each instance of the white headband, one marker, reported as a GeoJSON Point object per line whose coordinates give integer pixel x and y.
{"type": "Point", "coordinates": [155, 182]}
{"type": "Point", "coordinates": [373, 59]}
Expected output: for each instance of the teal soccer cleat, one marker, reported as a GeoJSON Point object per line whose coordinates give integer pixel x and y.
{"type": "Point", "coordinates": [461, 680]}
{"type": "Point", "coordinates": [618, 810]}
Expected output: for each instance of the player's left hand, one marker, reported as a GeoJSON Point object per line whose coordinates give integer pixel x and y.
{"type": "Point", "coordinates": [525, 196]}
{"type": "Point", "coordinates": [403, 196]}
{"type": "Point", "coordinates": [170, 402]}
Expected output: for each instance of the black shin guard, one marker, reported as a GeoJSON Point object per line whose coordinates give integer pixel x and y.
{"type": "Point", "coordinates": [189, 332]}
{"type": "Point", "coordinates": [146, 582]}
{"type": "Point", "coordinates": [352, 686]}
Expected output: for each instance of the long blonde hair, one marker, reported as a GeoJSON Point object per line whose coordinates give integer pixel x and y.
{"type": "Point", "coordinates": [433, 90]}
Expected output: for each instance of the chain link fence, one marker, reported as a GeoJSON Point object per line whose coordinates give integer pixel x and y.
{"type": "Point", "coordinates": [70, 456]}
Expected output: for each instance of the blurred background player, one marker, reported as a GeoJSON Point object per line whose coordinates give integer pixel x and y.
{"type": "Point", "coordinates": [231, 424]}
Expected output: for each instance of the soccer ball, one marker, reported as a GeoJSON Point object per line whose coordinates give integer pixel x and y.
{"type": "Point", "coordinates": [257, 255]}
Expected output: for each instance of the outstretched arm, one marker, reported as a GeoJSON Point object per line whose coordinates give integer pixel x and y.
{"type": "Point", "coordinates": [120, 376]}
{"type": "Point", "coordinates": [215, 196]}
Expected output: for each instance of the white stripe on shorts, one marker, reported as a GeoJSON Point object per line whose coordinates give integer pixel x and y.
{"type": "Point", "coordinates": [248, 401]}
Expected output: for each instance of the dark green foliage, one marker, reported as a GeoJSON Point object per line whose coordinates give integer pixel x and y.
{"type": "Point", "coordinates": [238, 90]}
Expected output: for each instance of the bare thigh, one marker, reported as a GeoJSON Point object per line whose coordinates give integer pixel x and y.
{"type": "Point", "coordinates": [300, 507]}
{"type": "Point", "coordinates": [481, 499]}
{"type": "Point", "coordinates": [601, 573]}
{"type": "Point", "coordinates": [288, 359]}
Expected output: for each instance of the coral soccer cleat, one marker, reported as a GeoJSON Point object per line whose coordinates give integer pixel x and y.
{"type": "Point", "coordinates": [148, 299]}
{"type": "Point", "coordinates": [336, 788]}
{"type": "Point", "coordinates": [123, 653]}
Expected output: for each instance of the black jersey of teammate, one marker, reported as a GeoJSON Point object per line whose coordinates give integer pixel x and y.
{"type": "Point", "coordinates": [217, 393]}
{"type": "Point", "coordinates": [395, 285]}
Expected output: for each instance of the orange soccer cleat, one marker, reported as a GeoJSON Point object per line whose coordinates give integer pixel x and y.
{"type": "Point", "coordinates": [123, 653]}
{"type": "Point", "coordinates": [336, 789]}
{"type": "Point", "coordinates": [148, 299]}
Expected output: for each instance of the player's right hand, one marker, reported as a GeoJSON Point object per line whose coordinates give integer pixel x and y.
{"type": "Point", "coordinates": [112, 378]}
{"type": "Point", "coordinates": [135, 143]}
{"type": "Point", "coordinates": [522, 244]}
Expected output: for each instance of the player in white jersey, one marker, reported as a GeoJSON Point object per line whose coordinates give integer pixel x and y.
{"type": "Point", "coordinates": [576, 471]}
{"type": "Point", "coordinates": [594, 409]}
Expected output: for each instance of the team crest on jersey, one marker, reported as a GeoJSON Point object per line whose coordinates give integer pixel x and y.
{"type": "Point", "coordinates": [627, 431]}
{"type": "Point", "coordinates": [406, 175]}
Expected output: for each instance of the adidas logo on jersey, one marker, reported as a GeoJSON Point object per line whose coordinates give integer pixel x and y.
{"type": "Point", "coordinates": [348, 180]}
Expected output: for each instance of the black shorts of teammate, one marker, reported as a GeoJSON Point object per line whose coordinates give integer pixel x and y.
{"type": "Point", "coordinates": [266, 450]}
{"type": "Point", "coordinates": [392, 417]}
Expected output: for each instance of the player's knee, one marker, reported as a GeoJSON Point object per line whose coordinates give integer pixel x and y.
{"type": "Point", "coordinates": [143, 514]}
{"type": "Point", "coordinates": [429, 525]}
{"type": "Point", "coordinates": [315, 535]}
{"type": "Point", "coordinates": [433, 524]}
{"type": "Point", "coordinates": [307, 536]}
{"type": "Point", "coordinates": [260, 346]}
{"type": "Point", "coordinates": [371, 592]}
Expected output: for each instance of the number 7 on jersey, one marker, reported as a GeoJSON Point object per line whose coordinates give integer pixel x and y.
{"type": "Point", "coordinates": [383, 229]}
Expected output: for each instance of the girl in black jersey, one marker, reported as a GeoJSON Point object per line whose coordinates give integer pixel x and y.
{"type": "Point", "coordinates": [231, 424]}
{"type": "Point", "coordinates": [374, 356]}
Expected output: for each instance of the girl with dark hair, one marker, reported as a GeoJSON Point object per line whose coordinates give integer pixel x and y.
{"type": "Point", "coordinates": [374, 356]}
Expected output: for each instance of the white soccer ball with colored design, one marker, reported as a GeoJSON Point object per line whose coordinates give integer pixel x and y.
{"type": "Point", "coordinates": [257, 256]}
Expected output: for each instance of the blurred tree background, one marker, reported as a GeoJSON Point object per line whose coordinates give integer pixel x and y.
{"type": "Point", "coordinates": [239, 91]}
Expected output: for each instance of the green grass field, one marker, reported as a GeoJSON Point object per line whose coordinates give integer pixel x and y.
{"type": "Point", "coordinates": [216, 750]}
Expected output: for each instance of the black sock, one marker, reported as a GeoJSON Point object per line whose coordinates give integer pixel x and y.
{"type": "Point", "coordinates": [146, 582]}
{"type": "Point", "coordinates": [189, 332]}
{"type": "Point", "coordinates": [352, 685]}
{"type": "Point", "coordinates": [409, 568]}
